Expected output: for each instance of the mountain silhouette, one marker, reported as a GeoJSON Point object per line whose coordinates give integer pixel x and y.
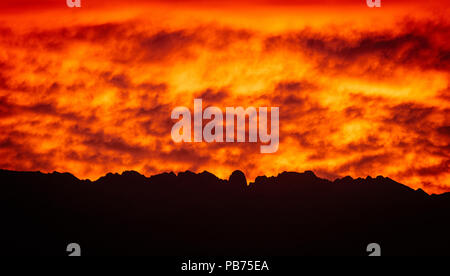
{"type": "Point", "coordinates": [189, 214]}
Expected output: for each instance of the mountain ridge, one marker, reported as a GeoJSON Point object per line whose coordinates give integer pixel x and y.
{"type": "Point", "coordinates": [258, 179]}
{"type": "Point", "coordinates": [190, 214]}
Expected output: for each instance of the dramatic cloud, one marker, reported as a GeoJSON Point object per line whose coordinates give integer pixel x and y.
{"type": "Point", "coordinates": [94, 94]}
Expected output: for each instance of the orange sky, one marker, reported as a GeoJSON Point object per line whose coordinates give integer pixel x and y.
{"type": "Point", "coordinates": [361, 91]}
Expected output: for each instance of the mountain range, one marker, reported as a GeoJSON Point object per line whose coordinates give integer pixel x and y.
{"type": "Point", "coordinates": [189, 214]}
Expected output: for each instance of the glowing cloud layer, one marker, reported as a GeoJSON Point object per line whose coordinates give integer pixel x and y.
{"type": "Point", "coordinates": [91, 91]}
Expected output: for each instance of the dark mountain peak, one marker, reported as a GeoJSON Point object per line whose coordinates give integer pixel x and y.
{"type": "Point", "coordinates": [134, 176]}
{"type": "Point", "coordinates": [209, 177]}
{"type": "Point", "coordinates": [126, 177]}
{"type": "Point", "coordinates": [384, 179]}
{"type": "Point", "coordinates": [307, 174]}
{"type": "Point", "coordinates": [202, 180]}
{"type": "Point", "coordinates": [110, 175]}
{"type": "Point", "coordinates": [163, 178]}
{"type": "Point", "coordinates": [186, 174]}
{"type": "Point", "coordinates": [131, 174]}
{"type": "Point", "coordinates": [260, 180]}
{"type": "Point", "coordinates": [207, 174]}
{"type": "Point", "coordinates": [68, 177]}
{"type": "Point", "coordinates": [345, 180]}
{"type": "Point", "coordinates": [295, 177]}
{"type": "Point", "coordinates": [107, 178]}
{"type": "Point", "coordinates": [310, 174]}
{"type": "Point", "coordinates": [238, 179]}
{"type": "Point", "coordinates": [421, 192]}
{"type": "Point", "coordinates": [66, 174]}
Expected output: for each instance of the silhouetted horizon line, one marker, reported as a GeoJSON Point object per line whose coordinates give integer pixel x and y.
{"type": "Point", "coordinates": [309, 173]}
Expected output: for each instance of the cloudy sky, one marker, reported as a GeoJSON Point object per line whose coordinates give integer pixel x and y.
{"type": "Point", "coordinates": [361, 91]}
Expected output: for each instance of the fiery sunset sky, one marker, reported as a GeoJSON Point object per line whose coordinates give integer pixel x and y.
{"type": "Point", "coordinates": [361, 91]}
